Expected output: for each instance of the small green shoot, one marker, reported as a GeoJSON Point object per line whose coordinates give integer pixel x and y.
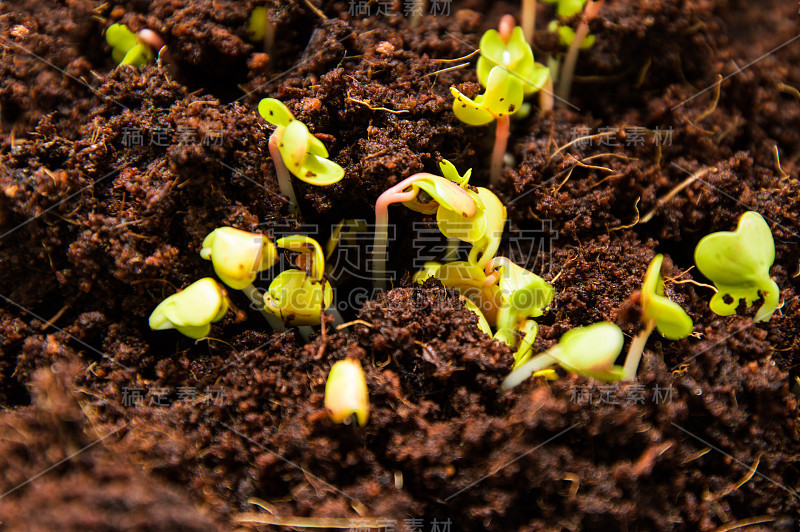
{"type": "Point", "coordinates": [238, 256]}
{"type": "Point", "coordinates": [590, 351]}
{"type": "Point", "coordinates": [126, 47]}
{"type": "Point", "coordinates": [346, 392]}
{"type": "Point", "coordinates": [567, 8]}
{"type": "Point", "coordinates": [507, 70]}
{"type": "Point", "coordinates": [590, 12]}
{"type": "Point", "coordinates": [738, 264]}
{"type": "Point", "coordinates": [300, 296]}
{"type": "Point", "coordinates": [294, 149]}
{"type": "Point", "coordinates": [192, 310]}
{"type": "Point", "coordinates": [658, 312]}
{"type": "Point", "coordinates": [446, 195]}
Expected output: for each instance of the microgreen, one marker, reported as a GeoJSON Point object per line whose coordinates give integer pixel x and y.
{"type": "Point", "coordinates": [126, 47]}
{"type": "Point", "coordinates": [299, 296]}
{"type": "Point", "coordinates": [525, 296]}
{"type": "Point", "coordinates": [346, 392]}
{"type": "Point", "coordinates": [237, 255]}
{"type": "Point", "coordinates": [192, 310]}
{"type": "Point", "coordinates": [294, 149]}
{"type": "Point", "coordinates": [567, 8]}
{"type": "Point", "coordinates": [738, 264]}
{"type": "Point", "coordinates": [445, 195]}
{"type": "Point", "coordinates": [590, 351]}
{"type": "Point", "coordinates": [577, 43]}
{"type": "Point", "coordinates": [659, 313]}
{"type": "Point", "coordinates": [508, 72]}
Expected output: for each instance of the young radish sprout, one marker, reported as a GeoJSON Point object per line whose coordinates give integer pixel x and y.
{"type": "Point", "coordinates": [346, 392]}
{"type": "Point", "coordinates": [507, 70]}
{"type": "Point", "coordinates": [237, 257]}
{"type": "Point", "coordinates": [192, 310]}
{"type": "Point", "coordinates": [300, 296]}
{"type": "Point", "coordinates": [568, 69]}
{"type": "Point", "coordinates": [590, 351]}
{"type": "Point", "coordinates": [445, 195]}
{"type": "Point", "coordinates": [128, 48]}
{"type": "Point", "coordinates": [738, 264]}
{"type": "Point", "coordinates": [525, 296]}
{"type": "Point", "coordinates": [294, 149]}
{"type": "Point", "coordinates": [658, 312]}
{"type": "Point", "coordinates": [261, 29]}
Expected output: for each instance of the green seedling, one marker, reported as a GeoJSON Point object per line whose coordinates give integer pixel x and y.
{"type": "Point", "coordinates": [294, 149]}
{"type": "Point", "coordinates": [507, 70]}
{"type": "Point", "coordinates": [589, 351]}
{"type": "Point", "coordinates": [445, 195]}
{"type": "Point", "coordinates": [126, 47]}
{"type": "Point", "coordinates": [260, 28]}
{"type": "Point", "coordinates": [567, 73]}
{"type": "Point", "coordinates": [525, 296]}
{"type": "Point", "coordinates": [346, 392]}
{"type": "Point", "coordinates": [238, 256]}
{"type": "Point", "coordinates": [738, 264]}
{"type": "Point", "coordinates": [192, 310]}
{"type": "Point", "coordinates": [567, 8]}
{"type": "Point", "coordinates": [566, 35]}
{"type": "Point", "coordinates": [659, 313]}
{"type": "Point", "coordinates": [300, 296]}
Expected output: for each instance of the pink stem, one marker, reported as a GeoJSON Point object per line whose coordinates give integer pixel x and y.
{"type": "Point", "coordinates": [505, 27]}
{"type": "Point", "coordinates": [499, 152]}
{"type": "Point", "coordinates": [284, 177]}
{"type": "Point", "coordinates": [568, 70]}
{"type": "Point", "coordinates": [529, 19]}
{"type": "Point", "coordinates": [395, 194]}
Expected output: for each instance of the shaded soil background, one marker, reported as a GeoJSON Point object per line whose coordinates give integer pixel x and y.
{"type": "Point", "coordinates": [96, 229]}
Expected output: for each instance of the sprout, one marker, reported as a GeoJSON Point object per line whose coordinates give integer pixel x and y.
{"type": "Point", "coordinates": [738, 264]}
{"type": "Point", "coordinates": [525, 296]}
{"type": "Point", "coordinates": [126, 47]}
{"type": "Point", "coordinates": [567, 8]}
{"type": "Point", "coordinates": [192, 310]}
{"type": "Point", "coordinates": [260, 28]}
{"type": "Point", "coordinates": [238, 256]}
{"type": "Point", "coordinates": [299, 296]}
{"type": "Point", "coordinates": [294, 149]}
{"type": "Point", "coordinates": [590, 351]}
{"type": "Point", "coordinates": [576, 45]}
{"type": "Point", "coordinates": [507, 70]}
{"type": "Point", "coordinates": [446, 195]}
{"type": "Point", "coordinates": [346, 392]}
{"type": "Point", "coordinates": [658, 312]}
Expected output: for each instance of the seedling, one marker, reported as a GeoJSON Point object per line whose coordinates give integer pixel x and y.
{"type": "Point", "coordinates": [346, 392]}
{"type": "Point", "coordinates": [294, 149]}
{"type": "Point", "coordinates": [126, 47]}
{"type": "Point", "coordinates": [567, 8]}
{"type": "Point", "coordinates": [507, 70]}
{"type": "Point", "coordinates": [299, 296]}
{"type": "Point", "coordinates": [192, 310]}
{"type": "Point", "coordinates": [446, 195]}
{"type": "Point", "coordinates": [260, 28]}
{"type": "Point", "coordinates": [590, 351]}
{"type": "Point", "coordinates": [525, 296]}
{"type": "Point", "coordinates": [738, 264]}
{"type": "Point", "coordinates": [238, 256]}
{"type": "Point", "coordinates": [568, 70]}
{"type": "Point", "coordinates": [658, 312]}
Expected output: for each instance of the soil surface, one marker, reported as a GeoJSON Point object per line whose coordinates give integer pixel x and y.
{"type": "Point", "coordinates": [110, 178]}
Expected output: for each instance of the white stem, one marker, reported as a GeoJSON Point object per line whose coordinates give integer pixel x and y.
{"type": "Point", "coordinates": [537, 363]}
{"type": "Point", "coordinates": [635, 352]}
{"type": "Point", "coordinates": [257, 299]}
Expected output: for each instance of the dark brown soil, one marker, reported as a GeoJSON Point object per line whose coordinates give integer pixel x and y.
{"type": "Point", "coordinates": [95, 230]}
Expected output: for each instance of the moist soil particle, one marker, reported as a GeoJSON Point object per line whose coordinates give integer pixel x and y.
{"type": "Point", "coordinates": [98, 224]}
